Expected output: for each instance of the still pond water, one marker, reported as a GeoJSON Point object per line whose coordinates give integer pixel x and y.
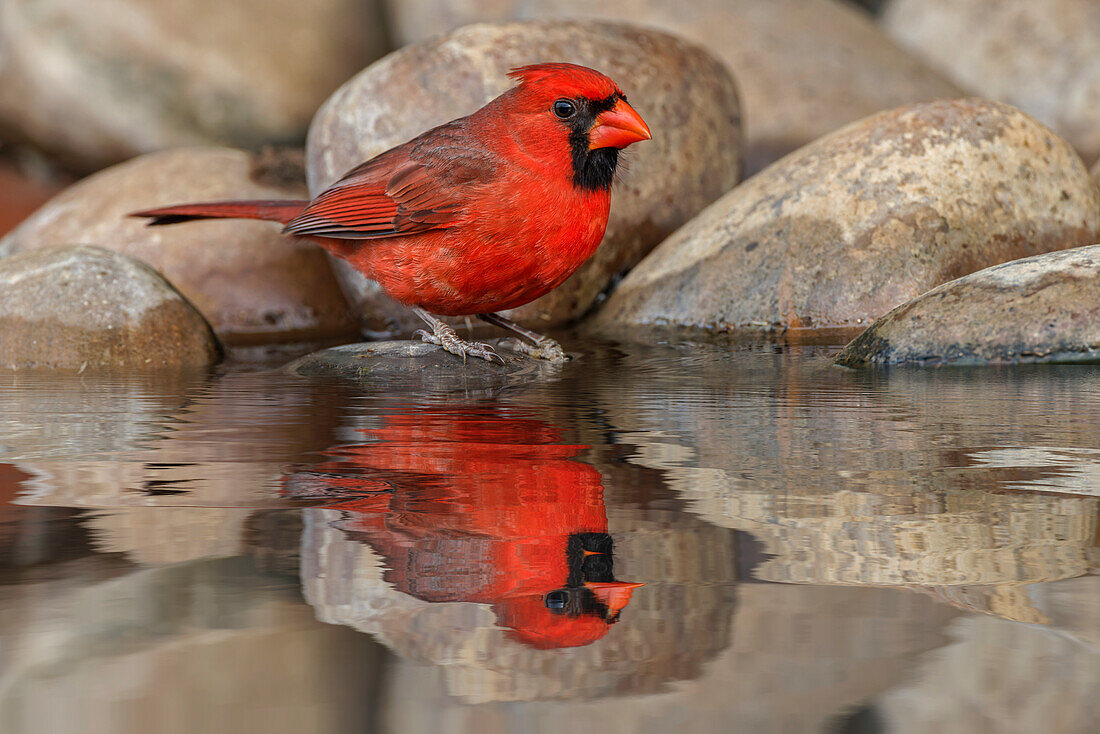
{"type": "Point", "coordinates": [821, 550]}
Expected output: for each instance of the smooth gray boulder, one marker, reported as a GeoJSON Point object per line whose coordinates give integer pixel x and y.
{"type": "Point", "coordinates": [1042, 309]}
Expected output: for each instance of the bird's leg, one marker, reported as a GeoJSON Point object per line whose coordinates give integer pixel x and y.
{"type": "Point", "coordinates": [541, 347]}
{"type": "Point", "coordinates": [446, 337]}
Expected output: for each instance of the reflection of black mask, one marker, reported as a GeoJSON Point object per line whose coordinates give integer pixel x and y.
{"type": "Point", "coordinates": [594, 565]}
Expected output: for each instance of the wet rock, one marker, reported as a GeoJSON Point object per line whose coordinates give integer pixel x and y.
{"type": "Point", "coordinates": [1042, 57]}
{"type": "Point", "coordinates": [84, 307]}
{"type": "Point", "coordinates": [803, 67]}
{"type": "Point", "coordinates": [416, 363]}
{"type": "Point", "coordinates": [1040, 309]}
{"type": "Point", "coordinates": [842, 231]}
{"type": "Point", "coordinates": [686, 96]}
{"type": "Point", "coordinates": [99, 84]}
{"type": "Point", "coordinates": [251, 283]}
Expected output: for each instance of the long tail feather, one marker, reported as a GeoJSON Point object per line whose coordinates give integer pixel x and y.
{"type": "Point", "coordinates": [271, 211]}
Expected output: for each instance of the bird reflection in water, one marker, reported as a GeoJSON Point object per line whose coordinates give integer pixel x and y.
{"type": "Point", "coordinates": [475, 505]}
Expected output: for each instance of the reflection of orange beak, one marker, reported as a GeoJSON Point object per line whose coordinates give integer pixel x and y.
{"type": "Point", "coordinates": [615, 595]}
{"type": "Point", "coordinates": [617, 128]}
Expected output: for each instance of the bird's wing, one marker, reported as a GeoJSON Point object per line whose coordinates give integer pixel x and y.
{"type": "Point", "coordinates": [420, 186]}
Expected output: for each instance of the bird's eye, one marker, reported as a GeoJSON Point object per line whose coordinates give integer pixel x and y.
{"type": "Point", "coordinates": [556, 600]}
{"type": "Point", "coordinates": [564, 109]}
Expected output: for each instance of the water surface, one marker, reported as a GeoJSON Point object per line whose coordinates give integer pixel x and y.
{"type": "Point", "coordinates": [733, 537]}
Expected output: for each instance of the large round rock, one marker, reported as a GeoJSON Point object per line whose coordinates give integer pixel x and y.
{"type": "Point", "coordinates": [804, 67]}
{"type": "Point", "coordinates": [1043, 57]}
{"type": "Point", "coordinates": [85, 307]}
{"type": "Point", "coordinates": [1040, 309]}
{"type": "Point", "coordinates": [685, 95]}
{"type": "Point", "coordinates": [845, 229]}
{"type": "Point", "coordinates": [251, 283]}
{"type": "Point", "coordinates": [98, 82]}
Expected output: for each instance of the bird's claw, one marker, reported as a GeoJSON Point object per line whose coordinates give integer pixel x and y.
{"type": "Point", "coordinates": [449, 340]}
{"type": "Point", "coordinates": [544, 348]}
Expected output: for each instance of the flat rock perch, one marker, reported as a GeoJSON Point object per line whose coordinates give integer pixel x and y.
{"type": "Point", "coordinates": [416, 364]}
{"type": "Point", "coordinates": [1041, 309]}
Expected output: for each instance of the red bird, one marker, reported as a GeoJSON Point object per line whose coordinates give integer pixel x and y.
{"type": "Point", "coordinates": [469, 505]}
{"type": "Point", "coordinates": [482, 214]}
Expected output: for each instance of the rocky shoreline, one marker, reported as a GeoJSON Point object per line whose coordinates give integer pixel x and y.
{"type": "Point", "coordinates": [881, 193]}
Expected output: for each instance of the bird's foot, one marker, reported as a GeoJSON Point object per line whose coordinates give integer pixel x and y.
{"type": "Point", "coordinates": [543, 348]}
{"type": "Point", "coordinates": [446, 337]}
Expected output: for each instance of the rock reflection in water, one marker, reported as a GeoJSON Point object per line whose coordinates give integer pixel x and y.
{"type": "Point", "coordinates": [468, 506]}
{"type": "Point", "coordinates": [997, 676]}
{"type": "Point", "coordinates": [177, 439]}
{"type": "Point", "coordinates": [154, 560]}
{"type": "Point", "coordinates": [172, 465]}
{"type": "Point", "coordinates": [885, 480]}
{"type": "Point", "coordinates": [98, 646]}
{"type": "Point", "coordinates": [798, 658]}
{"type": "Point", "coordinates": [472, 538]}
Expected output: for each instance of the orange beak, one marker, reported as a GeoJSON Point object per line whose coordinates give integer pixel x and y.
{"type": "Point", "coordinates": [615, 594]}
{"type": "Point", "coordinates": [617, 128]}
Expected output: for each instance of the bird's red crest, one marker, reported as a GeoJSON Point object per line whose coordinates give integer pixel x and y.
{"type": "Point", "coordinates": [566, 79]}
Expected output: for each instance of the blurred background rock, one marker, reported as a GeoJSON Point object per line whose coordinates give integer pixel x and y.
{"type": "Point", "coordinates": [99, 648]}
{"type": "Point", "coordinates": [96, 83]}
{"type": "Point", "coordinates": [1043, 57]}
{"type": "Point", "coordinates": [804, 67]}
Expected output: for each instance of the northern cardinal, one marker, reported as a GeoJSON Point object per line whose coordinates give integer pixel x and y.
{"type": "Point", "coordinates": [481, 214]}
{"type": "Point", "coordinates": [469, 505]}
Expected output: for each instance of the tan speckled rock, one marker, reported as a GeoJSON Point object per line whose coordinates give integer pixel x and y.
{"type": "Point", "coordinates": [803, 67]}
{"type": "Point", "coordinates": [84, 307]}
{"type": "Point", "coordinates": [251, 283]}
{"type": "Point", "coordinates": [96, 83]}
{"type": "Point", "coordinates": [843, 230]}
{"type": "Point", "coordinates": [1043, 57]}
{"type": "Point", "coordinates": [1040, 309]}
{"type": "Point", "coordinates": [685, 95]}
